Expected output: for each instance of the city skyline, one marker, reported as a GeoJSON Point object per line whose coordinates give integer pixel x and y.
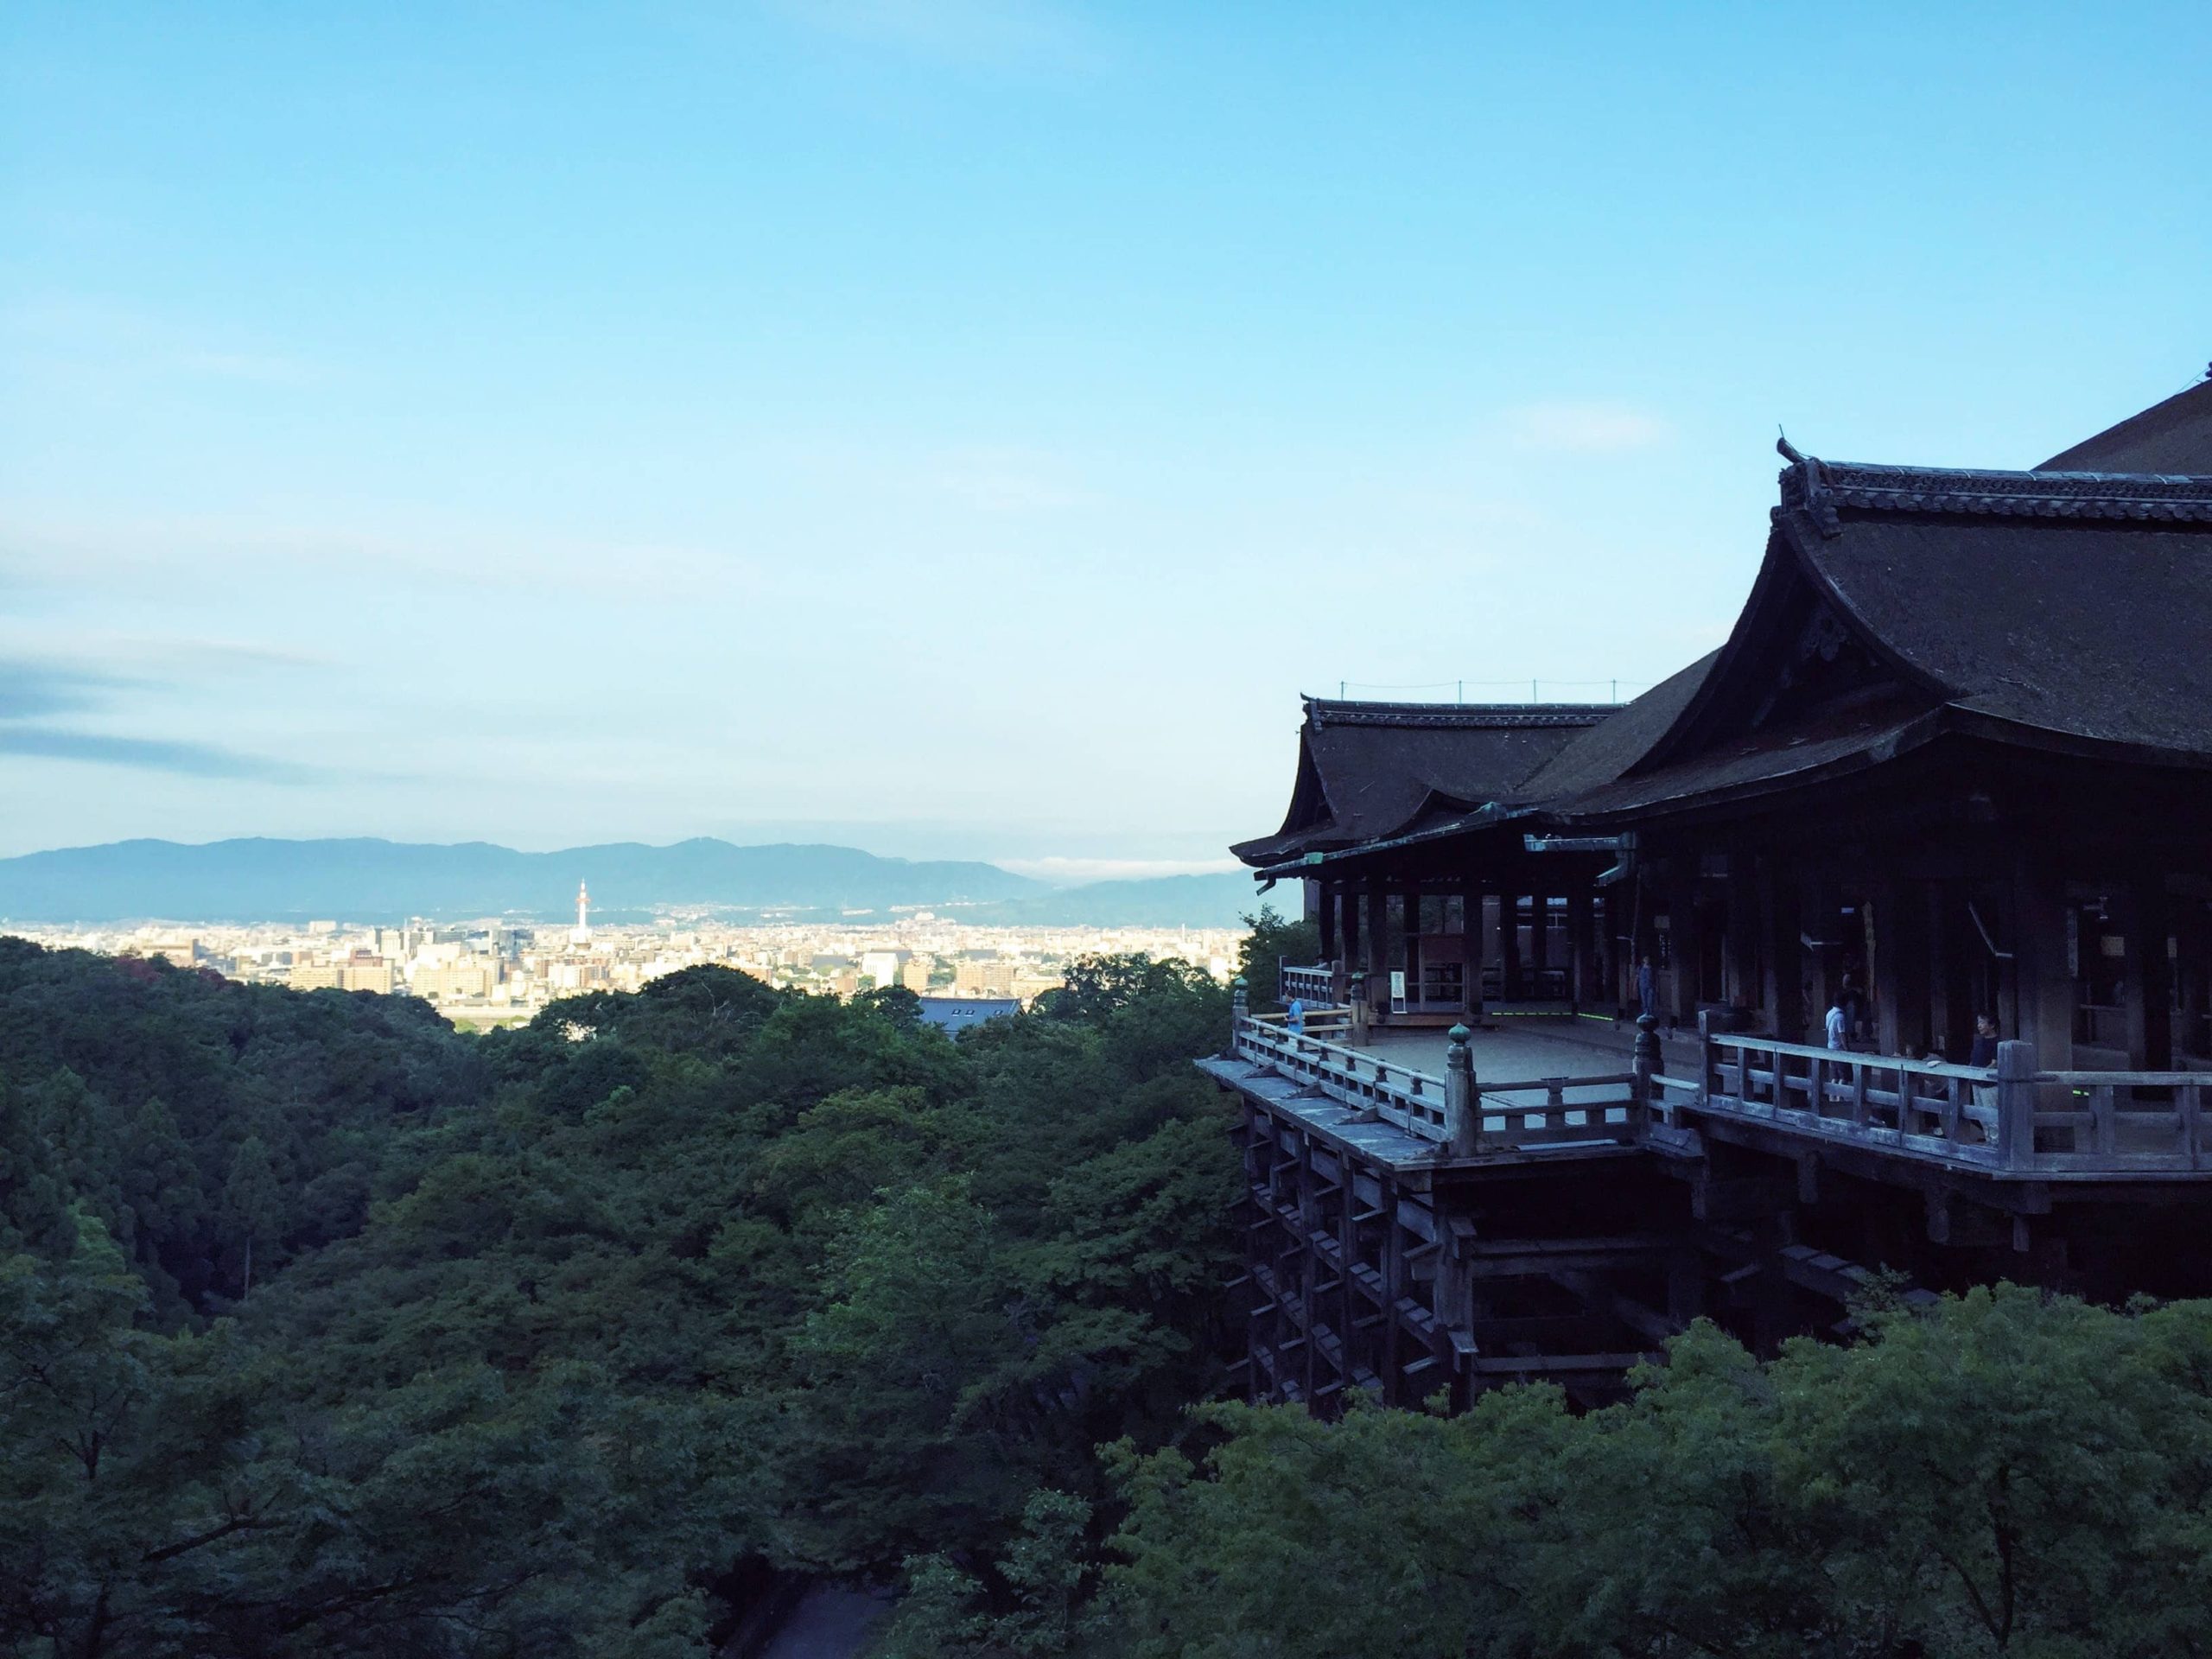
{"type": "Point", "coordinates": [947, 428]}
{"type": "Point", "coordinates": [491, 972]}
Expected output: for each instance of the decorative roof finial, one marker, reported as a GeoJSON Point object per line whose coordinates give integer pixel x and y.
{"type": "Point", "coordinates": [1785, 449]}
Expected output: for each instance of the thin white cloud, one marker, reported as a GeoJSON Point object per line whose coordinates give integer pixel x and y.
{"type": "Point", "coordinates": [44, 551]}
{"type": "Point", "coordinates": [154, 754]}
{"type": "Point", "coordinates": [1585, 428]}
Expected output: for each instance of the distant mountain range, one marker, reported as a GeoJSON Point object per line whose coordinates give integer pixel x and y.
{"type": "Point", "coordinates": [369, 881]}
{"type": "Point", "coordinates": [1158, 901]}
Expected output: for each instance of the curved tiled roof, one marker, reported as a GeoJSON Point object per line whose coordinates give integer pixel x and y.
{"type": "Point", "coordinates": [2031, 607]}
{"type": "Point", "coordinates": [1365, 769]}
{"type": "Point", "coordinates": [2096, 626]}
{"type": "Point", "coordinates": [2173, 436]}
{"type": "Point", "coordinates": [1604, 751]}
{"type": "Point", "coordinates": [2069, 606]}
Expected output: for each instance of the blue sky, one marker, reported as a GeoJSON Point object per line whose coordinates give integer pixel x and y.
{"type": "Point", "coordinates": [964, 426]}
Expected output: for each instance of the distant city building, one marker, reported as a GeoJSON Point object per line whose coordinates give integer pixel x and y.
{"type": "Point", "coordinates": [485, 972]}
{"type": "Point", "coordinates": [451, 980]}
{"type": "Point", "coordinates": [993, 976]}
{"type": "Point", "coordinates": [373, 975]}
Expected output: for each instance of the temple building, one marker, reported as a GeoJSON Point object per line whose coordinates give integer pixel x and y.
{"type": "Point", "coordinates": [1950, 775]}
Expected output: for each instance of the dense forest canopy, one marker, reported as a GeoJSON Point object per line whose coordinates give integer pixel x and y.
{"type": "Point", "coordinates": [326, 1330]}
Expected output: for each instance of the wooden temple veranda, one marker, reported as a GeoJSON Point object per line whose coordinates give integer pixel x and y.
{"type": "Point", "coordinates": [1954, 760]}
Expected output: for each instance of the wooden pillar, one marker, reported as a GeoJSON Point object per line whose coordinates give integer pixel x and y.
{"type": "Point", "coordinates": [1328, 919]}
{"type": "Point", "coordinates": [1509, 945]}
{"type": "Point", "coordinates": [2150, 973]}
{"type": "Point", "coordinates": [1540, 940]}
{"type": "Point", "coordinates": [1899, 967]}
{"type": "Point", "coordinates": [1950, 1023]}
{"type": "Point", "coordinates": [1687, 943]}
{"type": "Point", "coordinates": [1783, 991]}
{"type": "Point", "coordinates": [1819, 967]}
{"type": "Point", "coordinates": [1378, 941]}
{"type": "Point", "coordinates": [1741, 964]}
{"type": "Point", "coordinates": [1348, 904]}
{"type": "Point", "coordinates": [1470, 948]}
{"type": "Point", "coordinates": [2043, 997]}
{"type": "Point", "coordinates": [1405, 958]}
{"type": "Point", "coordinates": [2194, 928]}
{"type": "Point", "coordinates": [1394, 1291]}
{"type": "Point", "coordinates": [1309, 1264]}
{"type": "Point", "coordinates": [1579, 937]}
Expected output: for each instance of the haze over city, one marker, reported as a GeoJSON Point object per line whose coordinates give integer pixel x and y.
{"type": "Point", "coordinates": [948, 429]}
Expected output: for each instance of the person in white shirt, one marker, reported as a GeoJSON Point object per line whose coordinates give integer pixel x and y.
{"type": "Point", "coordinates": [1839, 1024]}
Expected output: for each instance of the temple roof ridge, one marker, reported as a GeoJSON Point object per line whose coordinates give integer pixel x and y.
{"type": "Point", "coordinates": [1820, 488]}
{"type": "Point", "coordinates": [1496, 716]}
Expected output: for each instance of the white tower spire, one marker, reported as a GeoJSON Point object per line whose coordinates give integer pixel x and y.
{"type": "Point", "coordinates": [582, 935]}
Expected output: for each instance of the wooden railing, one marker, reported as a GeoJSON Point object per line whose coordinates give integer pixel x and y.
{"type": "Point", "coordinates": [1925, 1107]}
{"type": "Point", "coordinates": [2011, 1118]}
{"type": "Point", "coordinates": [1314, 1020]}
{"type": "Point", "coordinates": [2121, 1122]}
{"type": "Point", "coordinates": [1313, 983]}
{"type": "Point", "coordinates": [1495, 1115]}
{"type": "Point", "coordinates": [1525, 1122]}
{"type": "Point", "coordinates": [1412, 1101]}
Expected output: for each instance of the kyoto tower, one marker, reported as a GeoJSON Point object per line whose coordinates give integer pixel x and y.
{"type": "Point", "coordinates": [582, 933]}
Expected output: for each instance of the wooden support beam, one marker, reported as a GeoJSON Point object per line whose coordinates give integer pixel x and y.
{"type": "Point", "coordinates": [1538, 1333]}
{"type": "Point", "coordinates": [1546, 1258]}
{"type": "Point", "coordinates": [1738, 1198]}
{"type": "Point", "coordinates": [1651, 1323]}
{"type": "Point", "coordinates": [1514, 1365]}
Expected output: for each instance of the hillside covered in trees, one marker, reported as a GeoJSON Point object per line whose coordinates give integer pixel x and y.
{"type": "Point", "coordinates": [325, 1330]}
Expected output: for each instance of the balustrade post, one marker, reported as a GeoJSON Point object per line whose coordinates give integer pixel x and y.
{"type": "Point", "coordinates": [1645, 1065]}
{"type": "Point", "coordinates": [1708, 1060]}
{"type": "Point", "coordinates": [1463, 1123]}
{"type": "Point", "coordinates": [2016, 1104]}
{"type": "Point", "coordinates": [1239, 1007]}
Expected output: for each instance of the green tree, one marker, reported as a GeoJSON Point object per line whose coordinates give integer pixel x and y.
{"type": "Point", "coordinates": [252, 1206]}
{"type": "Point", "coordinates": [1270, 943]}
{"type": "Point", "coordinates": [2005, 1475]}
